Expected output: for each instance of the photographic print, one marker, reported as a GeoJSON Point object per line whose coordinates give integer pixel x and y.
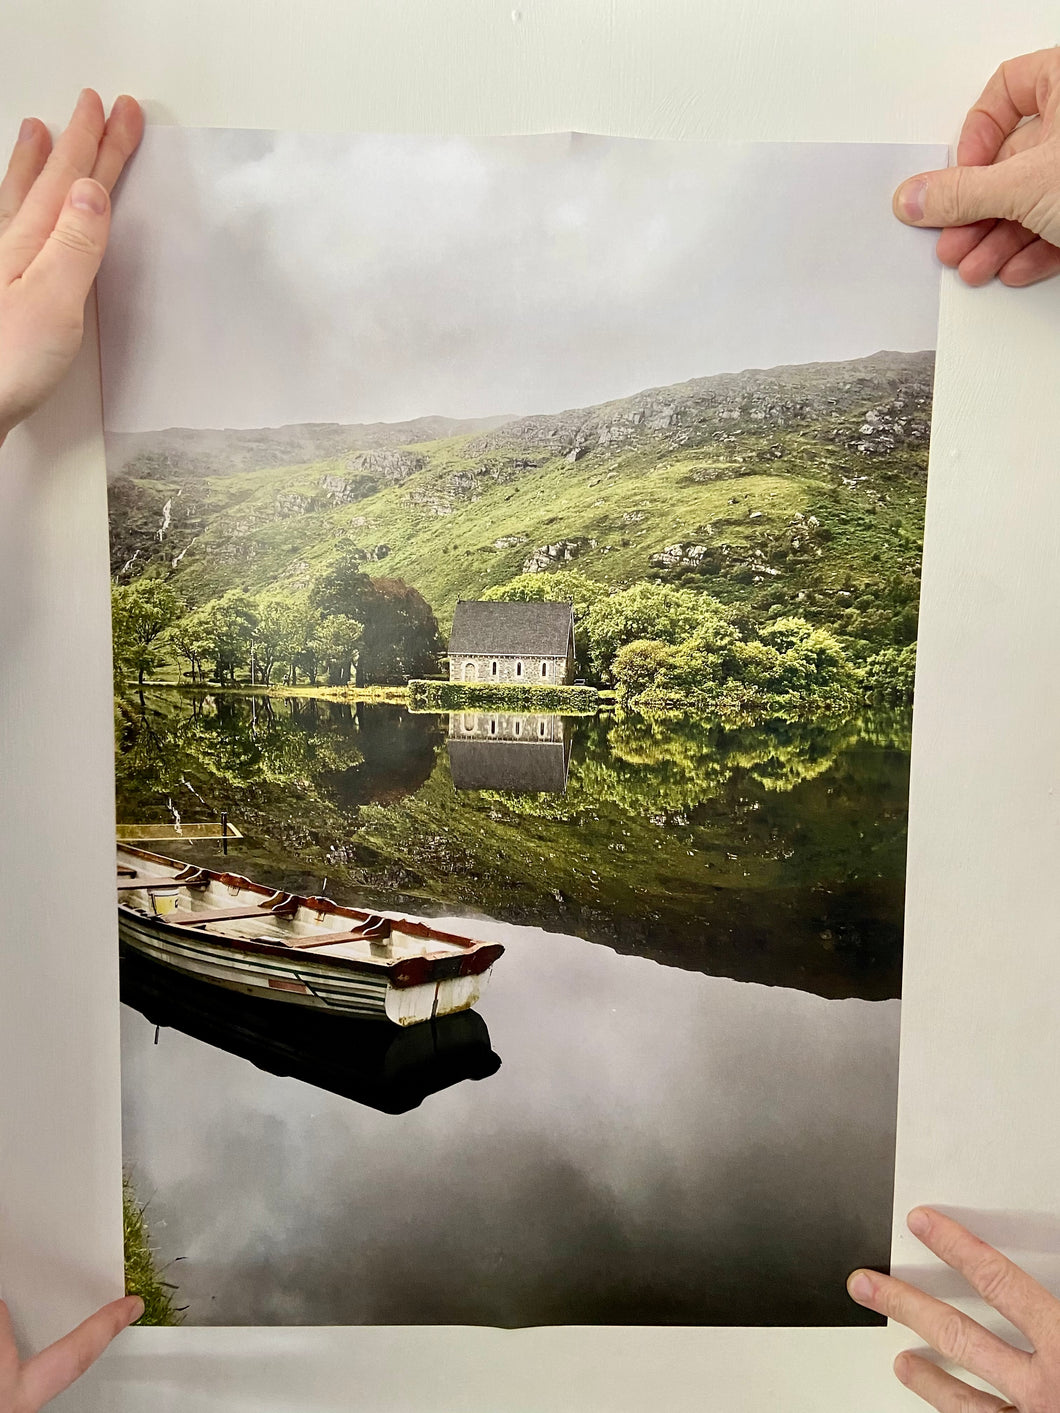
{"type": "Point", "coordinates": [515, 554]}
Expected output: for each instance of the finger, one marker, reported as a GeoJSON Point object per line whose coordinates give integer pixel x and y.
{"type": "Point", "coordinates": [1040, 261]}
{"type": "Point", "coordinates": [1026, 135]}
{"type": "Point", "coordinates": [1012, 93]}
{"type": "Point", "coordinates": [942, 1390]}
{"type": "Point", "coordinates": [955, 1336]}
{"type": "Point", "coordinates": [955, 242]}
{"type": "Point", "coordinates": [27, 161]}
{"type": "Point", "coordinates": [956, 196]}
{"type": "Point", "coordinates": [47, 1374]}
{"type": "Point", "coordinates": [73, 156]}
{"type": "Point", "coordinates": [1001, 1283]}
{"type": "Point", "coordinates": [8, 1349]}
{"type": "Point", "coordinates": [62, 274]}
{"type": "Point", "coordinates": [121, 137]}
{"type": "Point", "coordinates": [1007, 239]}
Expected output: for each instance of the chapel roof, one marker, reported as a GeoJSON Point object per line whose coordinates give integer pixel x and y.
{"type": "Point", "coordinates": [521, 629]}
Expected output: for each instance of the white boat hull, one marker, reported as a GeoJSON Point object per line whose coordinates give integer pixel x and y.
{"type": "Point", "coordinates": [303, 981]}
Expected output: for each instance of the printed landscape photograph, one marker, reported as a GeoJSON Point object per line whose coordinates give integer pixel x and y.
{"type": "Point", "coordinates": [515, 555]}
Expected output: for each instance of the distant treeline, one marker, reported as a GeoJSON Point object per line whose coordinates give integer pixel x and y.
{"type": "Point", "coordinates": [346, 628]}
{"type": "Point", "coordinates": [662, 648]}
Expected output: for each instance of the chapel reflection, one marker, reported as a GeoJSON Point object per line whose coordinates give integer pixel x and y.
{"type": "Point", "coordinates": [525, 752]}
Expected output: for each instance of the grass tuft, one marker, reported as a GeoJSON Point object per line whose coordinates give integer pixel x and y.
{"type": "Point", "coordinates": [142, 1276]}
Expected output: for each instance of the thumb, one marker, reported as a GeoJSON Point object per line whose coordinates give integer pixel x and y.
{"type": "Point", "coordinates": [63, 271]}
{"type": "Point", "coordinates": [957, 196]}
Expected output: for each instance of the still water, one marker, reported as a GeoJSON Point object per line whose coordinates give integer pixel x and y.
{"type": "Point", "coordinates": [677, 1130]}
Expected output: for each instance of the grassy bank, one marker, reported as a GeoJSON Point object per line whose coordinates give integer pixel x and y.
{"type": "Point", "coordinates": [426, 695]}
{"type": "Point", "coordinates": [396, 695]}
{"type": "Point", "coordinates": [142, 1276]}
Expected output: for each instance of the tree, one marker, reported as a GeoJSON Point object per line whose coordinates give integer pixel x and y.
{"type": "Point", "coordinates": [399, 637]}
{"type": "Point", "coordinates": [653, 612]}
{"type": "Point", "coordinates": [190, 638]}
{"type": "Point", "coordinates": [229, 625]}
{"type": "Point", "coordinates": [141, 612]}
{"type": "Point", "coordinates": [791, 665]}
{"type": "Point", "coordinates": [338, 640]}
{"type": "Point", "coordinates": [286, 626]}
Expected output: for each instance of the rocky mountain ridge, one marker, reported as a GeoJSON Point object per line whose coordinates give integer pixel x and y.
{"type": "Point", "coordinates": [896, 387]}
{"type": "Point", "coordinates": [205, 451]}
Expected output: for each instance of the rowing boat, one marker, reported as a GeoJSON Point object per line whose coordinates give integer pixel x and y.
{"type": "Point", "coordinates": [223, 928]}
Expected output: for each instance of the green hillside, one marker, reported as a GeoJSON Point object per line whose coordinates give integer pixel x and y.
{"type": "Point", "coordinates": [792, 491]}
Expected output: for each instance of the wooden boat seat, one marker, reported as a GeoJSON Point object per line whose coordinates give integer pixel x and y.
{"type": "Point", "coordinates": [127, 885]}
{"type": "Point", "coordinates": [187, 918]}
{"type": "Point", "coordinates": [368, 933]}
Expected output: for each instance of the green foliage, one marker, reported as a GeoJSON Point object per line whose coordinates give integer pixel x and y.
{"type": "Point", "coordinates": [231, 623]}
{"type": "Point", "coordinates": [142, 1276]}
{"type": "Point", "coordinates": [285, 630]}
{"type": "Point", "coordinates": [191, 639]}
{"type": "Point", "coordinates": [482, 696]}
{"type": "Point", "coordinates": [400, 637]}
{"type": "Point", "coordinates": [338, 639]}
{"type": "Point", "coordinates": [651, 612]}
{"type": "Point", "coordinates": [140, 614]}
{"type": "Point", "coordinates": [790, 667]}
{"type": "Point", "coordinates": [889, 675]}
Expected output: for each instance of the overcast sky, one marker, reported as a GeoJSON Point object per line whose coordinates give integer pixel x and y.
{"type": "Point", "coordinates": [256, 279]}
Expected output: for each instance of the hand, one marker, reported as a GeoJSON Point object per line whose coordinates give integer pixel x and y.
{"type": "Point", "coordinates": [26, 1387]}
{"type": "Point", "coordinates": [1029, 1382]}
{"type": "Point", "coordinates": [1000, 204]}
{"type": "Point", "coordinates": [54, 220]}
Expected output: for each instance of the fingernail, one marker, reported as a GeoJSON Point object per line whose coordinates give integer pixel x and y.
{"type": "Point", "coordinates": [860, 1287]}
{"type": "Point", "coordinates": [138, 1306]}
{"type": "Point", "coordinates": [901, 1368]}
{"type": "Point", "coordinates": [27, 130]}
{"type": "Point", "coordinates": [918, 1221]}
{"type": "Point", "coordinates": [911, 199]}
{"type": "Point", "coordinates": [88, 195]}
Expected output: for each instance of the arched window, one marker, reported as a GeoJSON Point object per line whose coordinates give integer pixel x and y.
{"type": "Point", "coordinates": [469, 672]}
{"type": "Point", "coordinates": [518, 728]}
{"type": "Point", "coordinates": [518, 669]}
{"type": "Point", "coordinates": [493, 726]}
{"type": "Point", "coordinates": [493, 668]}
{"type": "Point", "coordinates": [544, 669]}
{"type": "Point", "coordinates": [540, 728]}
{"type": "Point", "coordinates": [469, 722]}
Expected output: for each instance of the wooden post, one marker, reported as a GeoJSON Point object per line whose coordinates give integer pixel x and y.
{"type": "Point", "coordinates": [224, 832]}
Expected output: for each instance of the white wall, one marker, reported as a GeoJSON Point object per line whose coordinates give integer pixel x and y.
{"type": "Point", "coordinates": [980, 1048]}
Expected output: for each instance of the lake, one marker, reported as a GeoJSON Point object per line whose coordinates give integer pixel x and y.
{"type": "Point", "coordinates": [696, 1020]}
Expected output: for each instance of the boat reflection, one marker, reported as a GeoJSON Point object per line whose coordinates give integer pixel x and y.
{"type": "Point", "coordinates": [386, 1067]}
{"type": "Point", "coordinates": [527, 752]}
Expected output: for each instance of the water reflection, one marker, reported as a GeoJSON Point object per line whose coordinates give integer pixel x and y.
{"type": "Point", "coordinates": [371, 1062]}
{"type": "Point", "coordinates": [526, 752]}
{"type": "Point", "coordinates": [772, 853]}
{"type": "Point", "coordinates": [658, 1147]}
